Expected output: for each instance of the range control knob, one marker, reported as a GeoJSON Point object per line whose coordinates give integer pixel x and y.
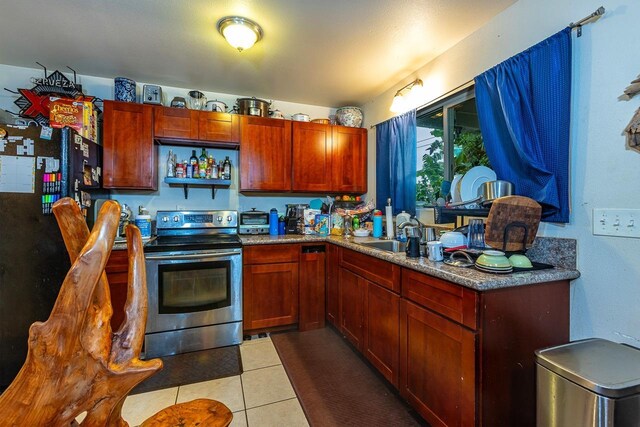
{"type": "Point", "coordinates": [219, 219]}
{"type": "Point", "coordinates": [165, 219]}
{"type": "Point", "coordinates": [176, 218]}
{"type": "Point", "coordinates": [229, 218]}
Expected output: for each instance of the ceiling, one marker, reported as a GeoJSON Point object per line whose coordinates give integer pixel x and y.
{"type": "Point", "coordinates": [320, 52]}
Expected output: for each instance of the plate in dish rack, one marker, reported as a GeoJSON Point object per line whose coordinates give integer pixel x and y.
{"type": "Point", "coordinates": [455, 188]}
{"type": "Point", "coordinates": [473, 179]}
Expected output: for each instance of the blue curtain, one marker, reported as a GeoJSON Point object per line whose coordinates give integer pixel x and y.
{"type": "Point", "coordinates": [523, 107]}
{"type": "Point", "coordinates": [396, 163]}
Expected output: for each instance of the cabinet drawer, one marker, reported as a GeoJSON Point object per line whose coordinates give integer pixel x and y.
{"type": "Point", "coordinates": [118, 262]}
{"type": "Point", "coordinates": [453, 301]}
{"type": "Point", "coordinates": [269, 254]}
{"type": "Point", "coordinates": [381, 272]}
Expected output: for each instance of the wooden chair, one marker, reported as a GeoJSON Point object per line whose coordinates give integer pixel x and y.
{"type": "Point", "coordinates": [75, 363]}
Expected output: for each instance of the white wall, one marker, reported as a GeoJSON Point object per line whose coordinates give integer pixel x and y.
{"type": "Point", "coordinates": [169, 198]}
{"type": "Point", "coordinates": [605, 301]}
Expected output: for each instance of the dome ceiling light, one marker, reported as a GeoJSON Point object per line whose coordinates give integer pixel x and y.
{"type": "Point", "coordinates": [241, 33]}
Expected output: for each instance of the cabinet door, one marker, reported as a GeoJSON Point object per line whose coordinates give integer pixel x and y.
{"type": "Point", "coordinates": [311, 157]}
{"type": "Point", "coordinates": [437, 367]}
{"type": "Point", "coordinates": [270, 295]}
{"type": "Point", "coordinates": [381, 330]}
{"type": "Point", "coordinates": [130, 158]}
{"type": "Point", "coordinates": [178, 123]}
{"type": "Point", "coordinates": [352, 289]}
{"type": "Point", "coordinates": [349, 155]}
{"type": "Point", "coordinates": [332, 286]}
{"type": "Point", "coordinates": [219, 127]}
{"type": "Point", "coordinates": [117, 270]}
{"type": "Point", "coordinates": [265, 154]}
{"type": "Point", "coordinates": [312, 268]}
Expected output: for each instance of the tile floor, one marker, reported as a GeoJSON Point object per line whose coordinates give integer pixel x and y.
{"type": "Point", "coordinates": [261, 397]}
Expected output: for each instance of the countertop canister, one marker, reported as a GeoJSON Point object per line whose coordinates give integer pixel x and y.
{"type": "Point", "coordinates": [273, 222]}
{"type": "Point", "coordinates": [143, 222]}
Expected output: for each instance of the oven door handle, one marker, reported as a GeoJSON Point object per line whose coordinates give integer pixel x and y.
{"type": "Point", "coordinates": [190, 256]}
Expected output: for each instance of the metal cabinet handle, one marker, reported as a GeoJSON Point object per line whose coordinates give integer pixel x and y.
{"type": "Point", "coordinates": [191, 256]}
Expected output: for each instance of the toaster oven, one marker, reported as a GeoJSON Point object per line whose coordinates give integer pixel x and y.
{"type": "Point", "coordinates": [253, 222]}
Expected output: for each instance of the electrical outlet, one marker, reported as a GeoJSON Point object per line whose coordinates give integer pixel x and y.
{"type": "Point", "coordinates": [616, 222]}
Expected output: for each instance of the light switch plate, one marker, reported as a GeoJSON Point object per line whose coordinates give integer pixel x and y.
{"type": "Point", "coordinates": [616, 222]}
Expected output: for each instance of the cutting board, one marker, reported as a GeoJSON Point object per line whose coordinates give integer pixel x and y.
{"type": "Point", "coordinates": [507, 210]}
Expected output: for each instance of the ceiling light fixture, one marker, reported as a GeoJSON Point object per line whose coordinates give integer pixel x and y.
{"type": "Point", "coordinates": [402, 102]}
{"type": "Point", "coordinates": [241, 33]}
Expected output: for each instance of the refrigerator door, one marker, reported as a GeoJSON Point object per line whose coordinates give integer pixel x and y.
{"type": "Point", "coordinates": [33, 259]}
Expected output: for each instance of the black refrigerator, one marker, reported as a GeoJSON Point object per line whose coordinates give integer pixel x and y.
{"type": "Point", "coordinates": [37, 167]}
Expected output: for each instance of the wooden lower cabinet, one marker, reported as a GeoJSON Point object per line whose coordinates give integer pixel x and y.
{"type": "Point", "coordinates": [369, 310]}
{"type": "Point", "coordinates": [381, 330]}
{"type": "Point", "coordinates": [459, 356]}
{"type": "Point", "coordinates": [117, 270]}
{"type": "Point", "coordinates": [332, 285]}
{"type": "Point", "coordinates": [437, 367]}
{"type": "Point", "coordinates": [270, 295]}
{"type": "Point", "coordinates": [352, 290]}
{"type": "Point", "coordinates": [311, 287]}
{"type": "Point", "coordinates": [270, 286]}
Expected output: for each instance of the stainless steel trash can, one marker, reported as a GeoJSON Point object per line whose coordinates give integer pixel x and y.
{"type": "Point", "coordinates": [586, 383]}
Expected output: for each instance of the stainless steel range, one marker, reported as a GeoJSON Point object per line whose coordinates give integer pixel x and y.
{"type": "Point", "coordinates": [194, 280]}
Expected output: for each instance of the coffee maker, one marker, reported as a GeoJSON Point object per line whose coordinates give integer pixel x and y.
{"type": "Point", "coordinates": [294, 218]}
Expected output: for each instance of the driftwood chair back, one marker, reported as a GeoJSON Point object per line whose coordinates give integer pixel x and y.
{"type": "Point", "coordinates": [75, 362]}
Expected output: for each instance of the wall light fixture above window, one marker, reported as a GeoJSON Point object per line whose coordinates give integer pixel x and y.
{"type": "Point", "coordinates": [407, 97]}
{"type": "Point", "coordinates": [241, 33]}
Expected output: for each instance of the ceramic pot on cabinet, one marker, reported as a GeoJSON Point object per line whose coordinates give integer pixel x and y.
{"type": "Point", "coordinates": [349, 116]}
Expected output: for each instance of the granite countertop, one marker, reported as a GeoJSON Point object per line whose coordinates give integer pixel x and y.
{"type": "Point", "coordinates": [544, 250]}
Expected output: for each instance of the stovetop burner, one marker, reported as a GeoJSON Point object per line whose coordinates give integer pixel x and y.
{"type": "Point", "coordinates": [195, 230]}
{"type": "Point", "coordinates": [193, 243]}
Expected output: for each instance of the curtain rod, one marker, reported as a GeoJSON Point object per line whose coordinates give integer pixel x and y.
{"type": "Point", "coordinates": [599, 12]}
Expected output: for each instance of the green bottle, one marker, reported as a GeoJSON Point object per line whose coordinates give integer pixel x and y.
{"type": "Point", "coordinates": [203, 164]}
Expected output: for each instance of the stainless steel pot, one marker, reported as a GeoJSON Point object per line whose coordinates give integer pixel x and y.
{"type": "Point", "coordinates": [488, 192]}
{"type": "Point", "coordinates": [217, 106]}
{"type": "Point", "coordinates": [253, 107]}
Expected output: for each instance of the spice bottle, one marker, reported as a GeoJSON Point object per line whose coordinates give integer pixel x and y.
{"type": "Point", "coordinates": [227, 168]}
{"type": "Point", "coordinates": [171, 165]}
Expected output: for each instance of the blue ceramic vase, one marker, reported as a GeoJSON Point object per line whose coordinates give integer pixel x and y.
{"type": "Point", "coordinates": [125, 89]}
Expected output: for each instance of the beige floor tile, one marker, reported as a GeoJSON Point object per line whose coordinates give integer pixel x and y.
{"type": "Point", "coordinates": [239, 419]}
{"type": "Point", "coordinates": [226, 390]}
{"type": "Point", "coordinates": [266, 385]}
{"type": "Point", "coordinates": [286, 413]}
{"type": "Point", "coordinates": [259, 355]}
{"type": "Point", "coordinates": [247, 343]}
{"type": "Point", "coordinates": [139, 407]}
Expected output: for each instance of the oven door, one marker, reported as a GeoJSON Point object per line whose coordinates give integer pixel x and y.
{"type": "Point", "coordinates": [193, 289]}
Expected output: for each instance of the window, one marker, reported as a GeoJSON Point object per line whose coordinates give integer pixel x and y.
{"type": "Point", "coordinates": [449, 143]}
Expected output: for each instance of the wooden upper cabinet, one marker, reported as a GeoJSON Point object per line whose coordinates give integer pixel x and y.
{"type": "Point", "coordinates": [179, 123]}
{"type": "Point", "coordinates": [265, 154]}
{"type": "Point", "coordinates": [184, 126]}
{"type": "Point", "coordinates": [220, 127]}
{"type": "Point", "coordinates": [311, 157]}
{"type": "Point", "coordinates": [349, 155]}
{"type": "Point", "coordinates": [129, 156]}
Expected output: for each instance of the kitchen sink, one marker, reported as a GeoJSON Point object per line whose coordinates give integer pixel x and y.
{"type": "Point", "coordinates": [387, 245]}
